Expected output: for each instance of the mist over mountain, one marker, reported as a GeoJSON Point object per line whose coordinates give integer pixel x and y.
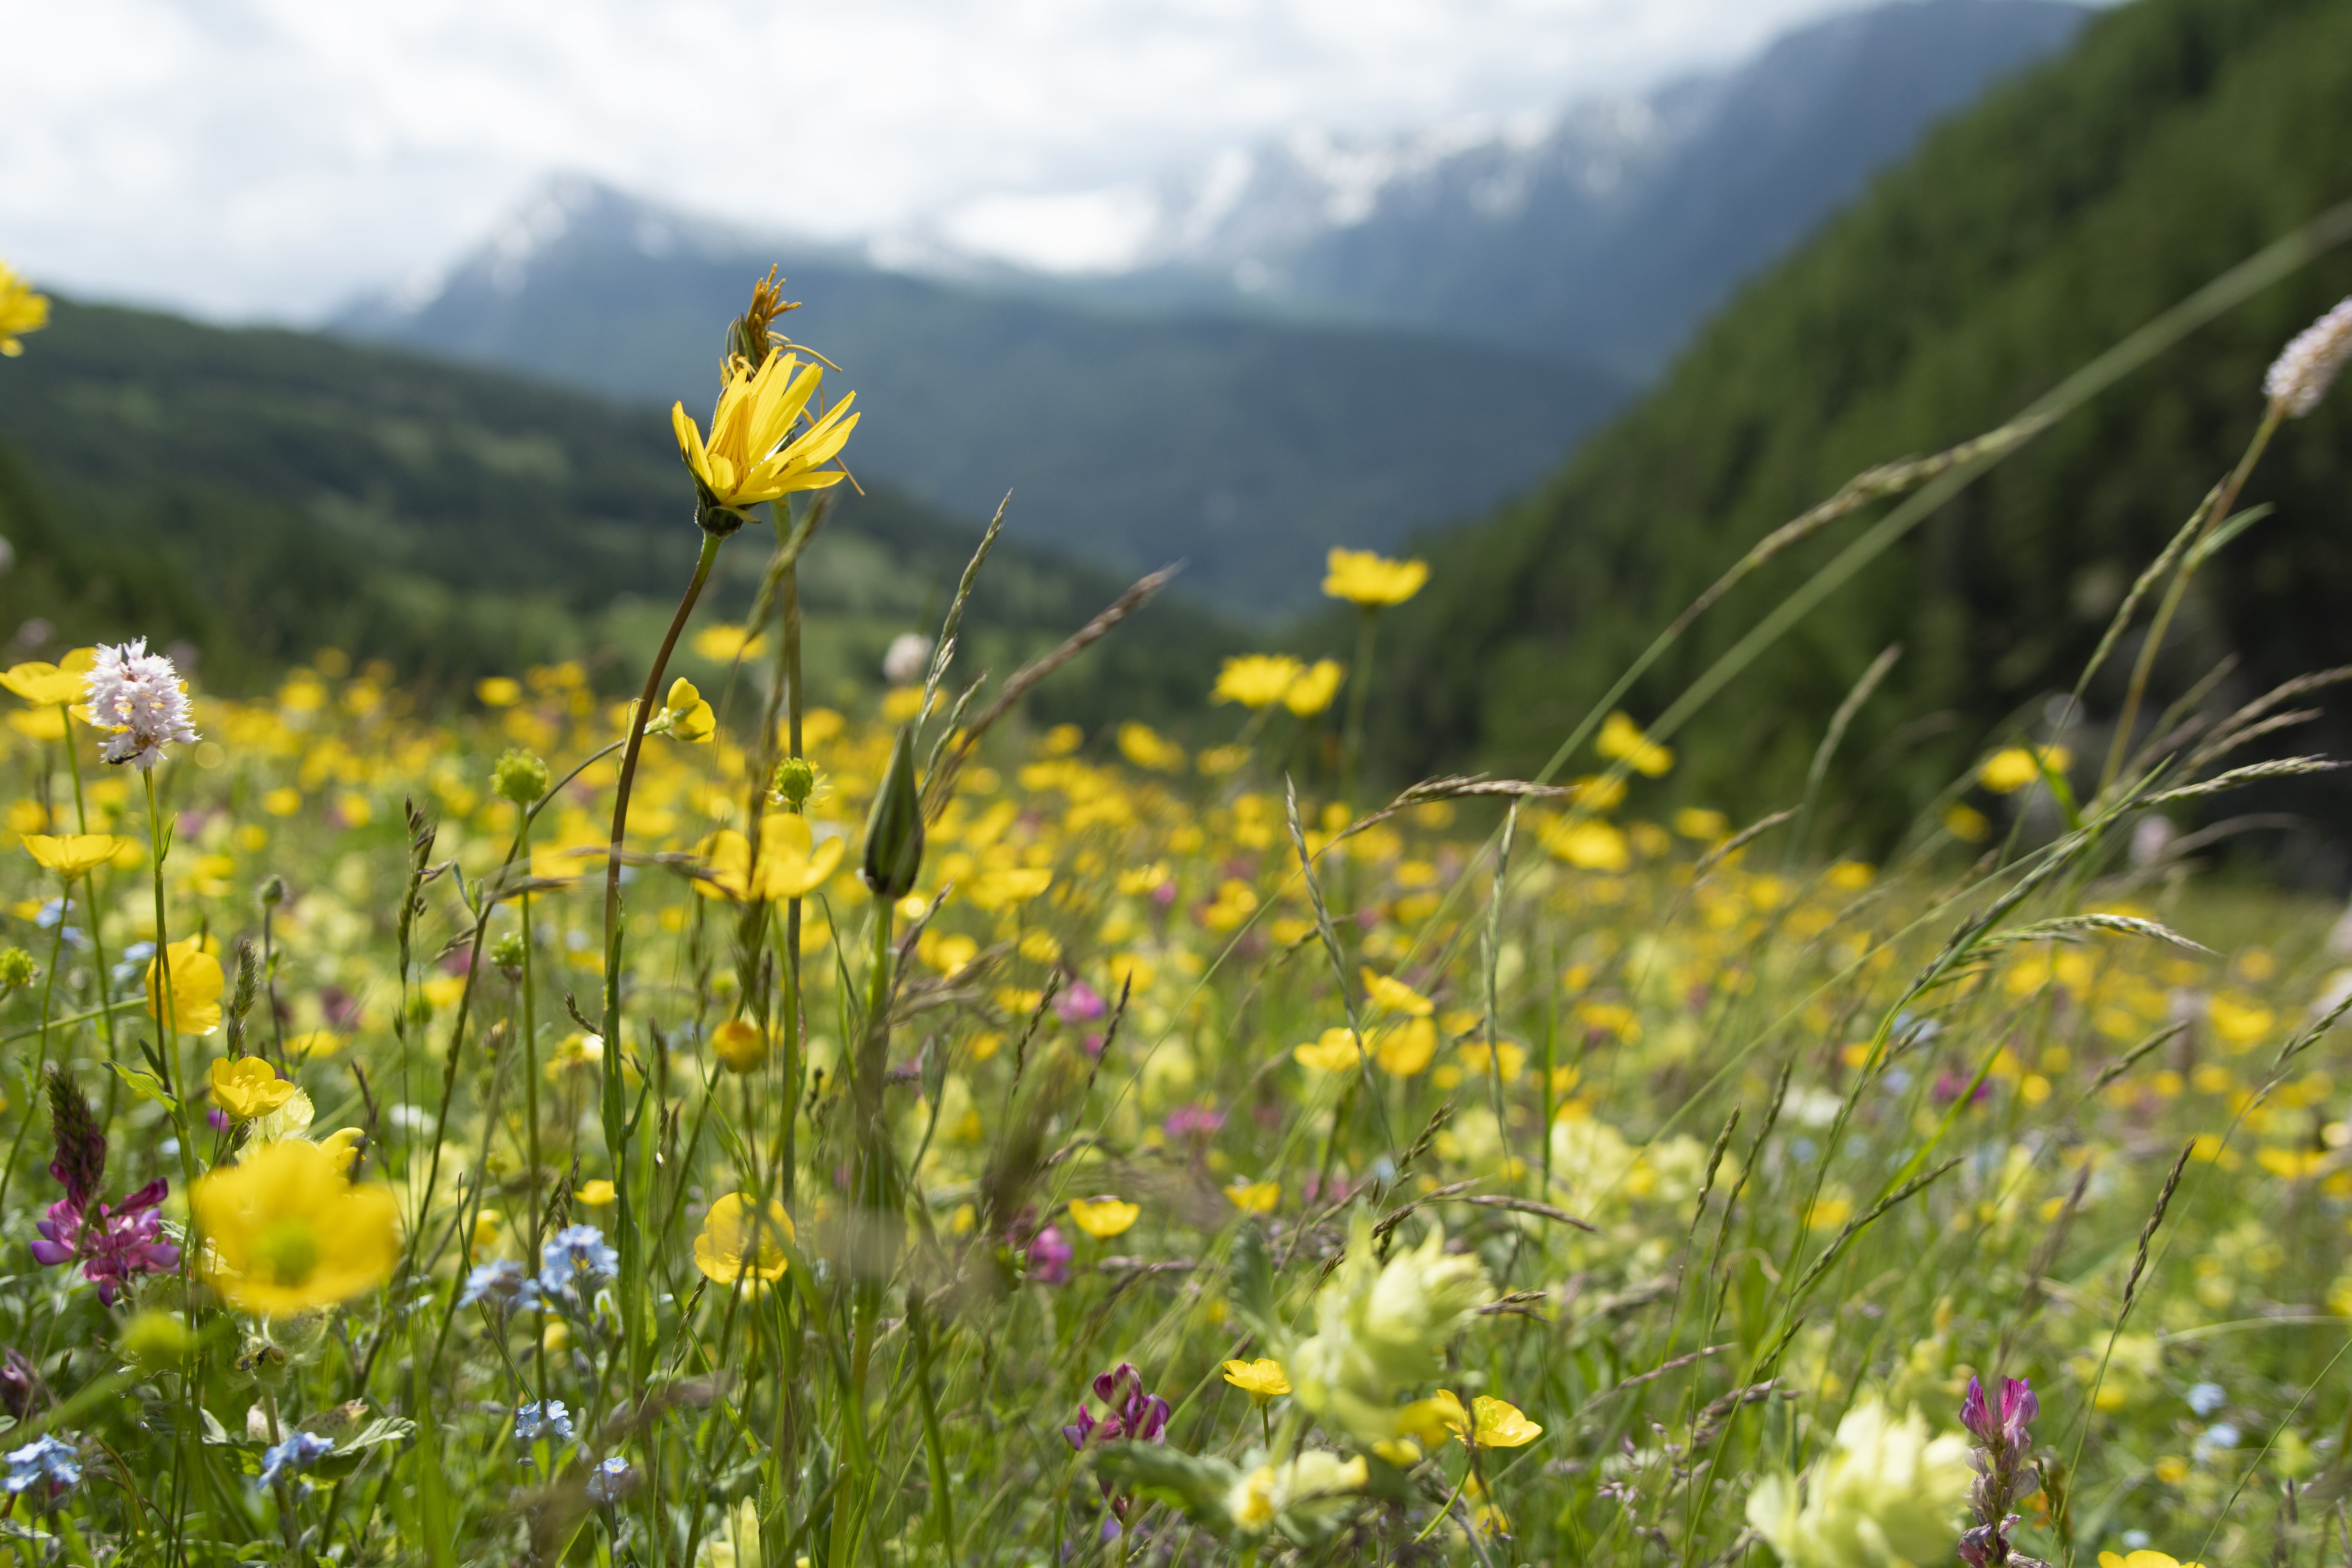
{"type": "Point", "coordinates": [1603, 233]}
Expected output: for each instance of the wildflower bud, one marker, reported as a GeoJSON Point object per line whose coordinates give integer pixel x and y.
{"type": "Point", "coordinates": [2306, 367]}
{"type": "Point", "coordinates": [249, 982]}
{"type": "Point", "coordinates": [157, 1339]}
{"type": "Point", "coordinates": [519, 777]}
{"type": "Point", "coordinates": [894, 830]}
{"type": "Point", "coordinates": [273, 892]}
{"type": "Point", "coordinates": [506, 953]}
{"type": "Point", "coordinates": [20, 1384]}
{"type": "Point", "coordinates": [17, 969]}
{"type": "Point", "coordinates": [794, 781]}
{"type": "Point", "coordinates": [80, 1162]}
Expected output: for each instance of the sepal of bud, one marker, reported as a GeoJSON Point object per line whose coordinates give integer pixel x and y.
{"type": "Point", "coordinates": [894, 829]}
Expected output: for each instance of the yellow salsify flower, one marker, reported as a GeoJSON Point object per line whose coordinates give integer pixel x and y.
{"type": "Point", "coordinates": [1256, 679]}
{"type": "Point", "coordinates": [246, 1087]}
{"type": "Point", "coordinates": [1623, 740]}
{"type": "Point", "coordinates": [792, 865]}
{"type": "Point", "coordinates": [738, 1243]}
{"type": "Point", "coordinates": [1488, 1422]}
{"type": "Point", "coordinates": [1367, 578]}
{"type": "Point", "coordinates": [1105, 1217]}
{"type": "Point", "coordinates": [1261, 1379]}
{"type": "Point", "coordinates": [73, 854]}
{"type": "Point", "coordinates": [1312, 692]}
{"type": "Point", "coordinates": [2007, 772]}
{"type": "Point", "coordinates": [282, 1231]}
{"type": "Point", "coordinates": [1336, 1051]}
{"type": "Point", "coordinates": [21, 310]}
{"type": "Point", "coordinates": [753, 454]}
{"type": "Point", "coordinates": [195, 989]}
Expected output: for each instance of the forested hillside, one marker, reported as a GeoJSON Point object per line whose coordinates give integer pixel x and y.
{"type": "Point", "coordinates": [264, 493]}
{"type": "Point", "coordinates": [2022, 239]}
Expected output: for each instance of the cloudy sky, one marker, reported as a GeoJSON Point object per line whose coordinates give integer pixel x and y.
{"type": "Point", "coordinates": [264, 159]}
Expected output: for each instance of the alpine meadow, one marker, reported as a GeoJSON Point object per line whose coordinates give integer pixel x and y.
{"type": "Point", "coordinates": [516, 1047]}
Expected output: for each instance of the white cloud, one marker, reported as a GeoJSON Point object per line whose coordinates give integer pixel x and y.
{"type": "Point", "coordinates": [265, 158]}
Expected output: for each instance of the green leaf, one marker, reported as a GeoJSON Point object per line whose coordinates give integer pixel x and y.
{"type": "Point", "coordinates": [145, 1085]}
{"type": "Point", "coordinates": [1194, 1483]}
{"type": "Point", "coordinates": [1252, 1293]}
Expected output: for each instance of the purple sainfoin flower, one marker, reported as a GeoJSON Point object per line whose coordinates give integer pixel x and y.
{"type": "Point", "coordinates": [2004, 1467]}
{"type": "Point", "coordinates": [1049, 1256]}
{"type": "Point", "coordinates": [1081, 1004]}
{"type": "Point", "coordinates": [1192, 1121]}
{"type": "Point", "coordinates": [1135, 1417]}
{"type": "Point", "coordinates": [115, 1242]}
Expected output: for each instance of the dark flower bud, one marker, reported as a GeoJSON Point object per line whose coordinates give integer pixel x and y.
{"type": "Point", "coordinates": [80, 1162]}
{"type": "Point", "coordinates": [273, 892]}
{"type": "Point", "coordinates": [894, 830]}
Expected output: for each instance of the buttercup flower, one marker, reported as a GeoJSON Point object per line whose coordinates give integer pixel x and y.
{"type": "Point", "coordinates": [740, 1044]}
{"type": "Point", "coordinates": [1364, 577]}
{"type": "Point", "coordinates": [754, 454]}
{"type": "Point", "coordinates": [248, 1086]}
{"type": "Point", "coordinates": [46, 684]}
{"type": "Point", "coordinates": [73, 855]}
{"type": "Point", "coordinates": [196, 982]}
{"type": "Point", "coordinates": [283, 1231]}
{"type": "Point", "coordinates": [1621, 740]}
{"type": "Point", "coordinates": [1313, 690]}
{"type": "Point", "coordinates": [1487, 1424]}
{"type": "Point", "coordinates": [736, 1243]}
{"type": "Point", "coordinates": [1261, 1379]}
{"type": "Point", "coordinates": [793, 863]}
{"type": "Point", "coordinates": [1102, 1218]}
{"type": "Point", "coordinates": [1885, 1495]}
{"type": "Point", "coordinates": [1256, 679]}
{"type": "Point", "coordinates": [137, 695]}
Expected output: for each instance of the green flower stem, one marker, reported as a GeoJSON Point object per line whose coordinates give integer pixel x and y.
{"type": "Point", "coordinates": [2215, 515]}
{"type": "Point", "coordinates": [615, 1119]}
{"type": "Point", "coordinates": [1360, 691]}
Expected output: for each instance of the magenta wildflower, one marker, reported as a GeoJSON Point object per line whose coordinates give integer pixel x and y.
{"type": "Point", "coordinates": [114, 1243]}
{"type": "Point", "coordinates": [2004, 1467]}
{"type": "Point", "coordinates": [1049, 1258]}
{"type": "Point", "coordinates": [1135, 1417]}
{"type": "Point", "coordinates": [1081, 1004]}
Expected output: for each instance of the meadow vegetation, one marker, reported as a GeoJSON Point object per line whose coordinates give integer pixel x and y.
{"type": "Point", "coordinates": [725, 1128]}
